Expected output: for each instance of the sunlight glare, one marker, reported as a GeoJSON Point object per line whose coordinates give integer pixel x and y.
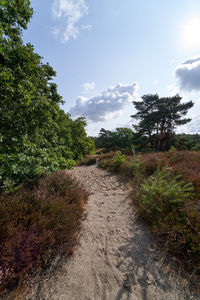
{"type": "Point", "coordinates": [191, 33]}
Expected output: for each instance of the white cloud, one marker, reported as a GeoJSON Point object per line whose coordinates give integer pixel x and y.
{"type": "Point", "coordinates": [107, 105]}
{"type": "Point", "coordinates": [69, 13]}
{"type": "Point", "coordinates": [192, 127]}
{"type": "Point", "coordinates": [86, 27]}
{"type": "Point", "coordinates": [188, 73]}
{"type": "Point", "coordinates": [56, 32]}
{"type": "Point", "coordinates": [88, 87]}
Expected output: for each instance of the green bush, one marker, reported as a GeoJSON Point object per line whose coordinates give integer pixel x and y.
{"type": "Point", "coordinates": [161, 192]}
{"type": "Point", "coordinates": [119, 159]}
{"type": "Point", "coordinates": [31, 162]}
{"type": "Point", "coordinates": [172, 148]}
{"type": "Point", "coordinates": [167, 201]}
{"type": "Point", "coordinates": [103, 163]}
{"type": "Point", "coordinates": [137, 167]}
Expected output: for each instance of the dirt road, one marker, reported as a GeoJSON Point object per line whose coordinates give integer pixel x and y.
{"type": "Point", "coordinates": [115, 258]}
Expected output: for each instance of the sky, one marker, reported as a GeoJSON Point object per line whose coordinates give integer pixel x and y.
{"type": "Point", "coordinates": [108, 53]}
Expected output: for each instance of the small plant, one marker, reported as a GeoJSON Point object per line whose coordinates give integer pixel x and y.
{"type": "Point", "coordinates": [103, 164]}
{"type": "Point", "coordinates": [137, 167]}
{"type": "Point", "coordinates": [172, 148]}
{"type": "Point", "coordinates": [119, 159]}
{"type": "Point", "coordinates": [8, 185]}
{"type": "Point", "coordinates": [161, 191]}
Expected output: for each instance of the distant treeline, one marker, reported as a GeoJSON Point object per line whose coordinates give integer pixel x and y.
{"type": "Point", "coordinates": [126, 139]}
{"type": "Point", "coordinates": [157, 119]}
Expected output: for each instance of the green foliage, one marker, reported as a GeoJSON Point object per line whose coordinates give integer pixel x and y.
{"type": "Point", "coordinates": [167, 201]}
{"type": "Point", "coordinates": [121, 139]}
{"type": "Point", "coordinates": [137, 168]}
{"type": "Point", "coordinates": [14, 16]}
{"type": "Point", "coordinates": [158, 117]}
{"type": "Point", "coordinates": [161, 191]}
{"type": "Point", "coordinates": [187, 142]}
{"type": "Point", "coordinates": [172, 148]}
{"type": "Point", "coordinates": [119, 159]}
{"type": "Point", "coordinates": [36, 135]}
{"type": "Point", "coordinates": [103, 163]}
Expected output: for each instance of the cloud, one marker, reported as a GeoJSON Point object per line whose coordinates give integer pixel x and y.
{"type": "Point", "coordinates": [69, 13]}
{"type": "Point", "coordinates": [192, 127]}
{"type": "Point", "coordinates": [188, 73]}
{"type": "Point", "coordinates": [107, 105]}
{"type": "Point", "coordinates": [86, 27]}
{"type": "Point", "coordinates": [88, 87]}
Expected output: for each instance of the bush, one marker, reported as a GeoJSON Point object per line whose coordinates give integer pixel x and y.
{"type": "Point", "coordinates": [119, 159]}
{"type": "Point", "coordinates": [36, 223]}
{"type": "Point", "coordinates": [167, 192]}
{"type": "Point", "coordinates": [170, 206]}
{"type": "Point", "coordinates": [88, 161]}
{"type": "Point", "coordinates": [31, 162]}
{"type": "Point", "coordinates": [103, 163]}
{"type": "Point", "coordinates": [161, 192]}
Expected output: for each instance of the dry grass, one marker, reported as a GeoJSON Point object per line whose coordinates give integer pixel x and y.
{"type": "Point", "coordinates": [36, 223]}
{"type": "Point", "coordinates": [88, 160]}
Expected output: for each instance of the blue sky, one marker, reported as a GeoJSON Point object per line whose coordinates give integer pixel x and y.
{"type": "Point", "coordinates": [108, 52]}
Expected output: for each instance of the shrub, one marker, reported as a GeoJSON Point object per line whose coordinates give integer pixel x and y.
{"type": "Point", "coordinates": [88, 161]}
{"type": "Point", "coordinates": [103, 163]}
{"type": "Point", "coordinates": [172, 148]}
{"type": "Point", "coordinates": [161, 192]}
{"type": "Point", "coordinates": [119, 159]}
{"type": "Point", "coordinates": [167, 191]}
{"type": "Point", "coordinates": [31, 162]}
{"type": "Point", "coordinates": [36, 223]}
{"type": "Point", "coordinates": [170, 206]}
{"type": "Point", "coordinates": [151, 161]}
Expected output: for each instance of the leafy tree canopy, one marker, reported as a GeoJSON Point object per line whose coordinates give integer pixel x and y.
{"type": "Point", "coordinates": [160, 116]}
{"type": "Point", "coordinates": [14, 16]}
{"type": "Point", "coordinates": [36, 135]}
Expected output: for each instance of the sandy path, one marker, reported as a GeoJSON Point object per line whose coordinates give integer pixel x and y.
{"type": "Point", "coordinates": [115, 259]}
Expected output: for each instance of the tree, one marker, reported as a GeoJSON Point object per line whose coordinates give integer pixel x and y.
{"type": "Point", "coordinates": [36, 135]}
{"type": "Point", "coordinates": [124, 138]}
{"type": "Point", "coordinates": [120, 139]}
{"type": "Point", "coordinates": [158, 117]}
{"type": "Point", "coordinates": [81, 144]}
{"type": "Point", "coordinates": [14, 16]}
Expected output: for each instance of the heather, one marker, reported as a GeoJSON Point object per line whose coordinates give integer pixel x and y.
{"type": "Point", "coordinates": [166, 191]}
{"type": "Point", "coordinates": [38, 221]}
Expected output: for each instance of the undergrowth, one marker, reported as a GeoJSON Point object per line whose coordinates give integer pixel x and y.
{"type": "Point", "coordinates": [37, 221]}
{"type": "Point", "coordinates": [87, 160]}
{"type": "Point", "coordinates": [167, 193]}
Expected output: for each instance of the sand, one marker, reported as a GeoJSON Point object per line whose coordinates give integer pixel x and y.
{"type": "Point", "coordinates": [116, 257]}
